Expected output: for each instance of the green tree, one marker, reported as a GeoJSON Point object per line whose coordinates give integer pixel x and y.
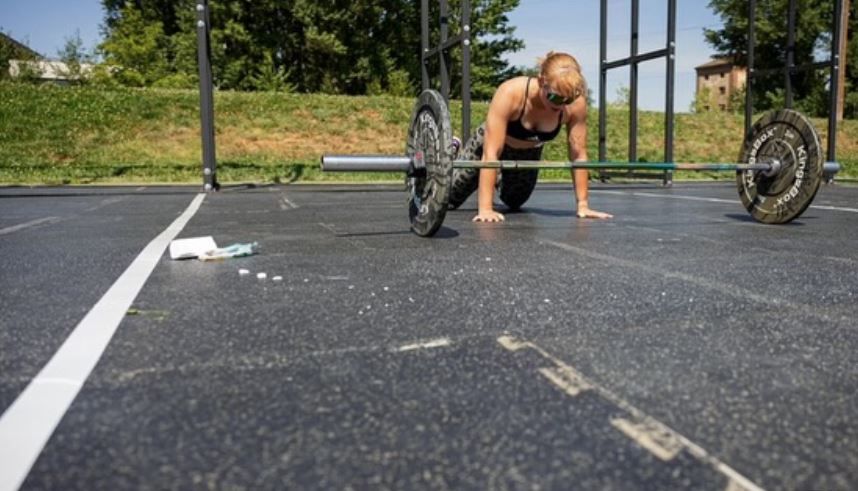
{"type": "Point", "coordinates": [813, 36]}
{"type": "Point", "coordinates": [702, 101]}
{"type": "Point", "coordinates": [624, 97]}
{"type": "Point", "coordinates": [134, 47]}
{"type": "Point", "coordinates": [491, 38]}
{"type": "Point", "coordinates": [74, 56]}
{"type": "Point", "coordinates": [340, 46]}
{"type": "Point", "coordinates": [11, 50]}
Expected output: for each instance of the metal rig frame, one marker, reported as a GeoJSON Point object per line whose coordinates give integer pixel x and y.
{"type": "Point", "coordinates": [442, 50]}
{"type": "Point", "coordinates": [790, 68]}
{"type": "Point", "coordinates": [632, 61]}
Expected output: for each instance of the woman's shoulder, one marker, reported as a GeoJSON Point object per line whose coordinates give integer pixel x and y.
{"type": "Point", "coordinates": [513, 88]}
{"type": "Point", "coordinates": [515, 83]}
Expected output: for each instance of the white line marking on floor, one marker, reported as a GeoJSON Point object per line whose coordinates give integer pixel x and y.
{"type": "Point", "coordinates": [663, 444]}
{"type": "Point", "coordinates": [106, 202]}
{"type": "Point", "coordinates": [29, 422]}
{"type": "Point", "coordinates": [728, 289]}
{"type": "Point", "coordinates": [711, 200]}
{"type": "Point", "coordinates": [60, 381]}
{"type": "Point", "coordinates": [329, 228]}
{"type": "Point", "coordinates": [31, 223]}
{"type": "Point", "coordinates": [434, 343]}
{"type": "Point", "coordinates": [688, 198]}
{"type": "Point", "coordinates": [286, 204]}
{"type": "Point", "coordinates": [569, 380]}
{"type": "Point", "coordinates": [645, 430]}
{"type": "Point", "coordinates": [835, 208]}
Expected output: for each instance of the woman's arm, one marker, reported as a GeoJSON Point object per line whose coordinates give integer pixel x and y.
{"type": "Point", "coordinates": [493, 142]}
{"type": "Point", "coordinates": [576, 134]}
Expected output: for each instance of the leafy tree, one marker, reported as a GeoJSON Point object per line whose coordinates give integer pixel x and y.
{"type": "Point", "coordinates": [135, 47]}
{"type": "Point", "coordinates": [11, 50]}
{"type": "Point", "coordinates": [813, 35]}
{"type": "Point", "coordinates": [702, 101]}
{"type": "Point", "coordinates": [624, 97]}
{"type": "Point", "coordinates": [271, 78]}
{"type": "Point", "coordinates": [74, 56]}
{"type": "Point", "coordinates": [338, 46]}
{"type": "Point", "coordinates": [491, 37]}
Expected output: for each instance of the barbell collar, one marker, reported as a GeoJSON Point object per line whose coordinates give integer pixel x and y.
{"type": "Point", "coordinates": [831, 167]}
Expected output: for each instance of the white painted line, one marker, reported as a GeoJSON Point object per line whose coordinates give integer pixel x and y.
{"type": "Point", "coordinates": [834, 208]}
{"type": "Point", "coordinates": [29, 422]}
{"type": "Point", "coordinates": [435, 343]}
{"type": "Point", "coordinates": [32, 223]}
{"type": "Point", "coordinates": [106, 202]}
{"type": "Point", "coordinates": [663, 444]}
{"type": "Point", "coordinates": [567, 379]}
{"type": "Point", "coordinates": [710, 200]}
{"type": "Point", "coordinates": [651, 434]}
{"type": "Point", "coordinates": [688, 198]}
{"type": "Point", "coordinates": [286, 204]}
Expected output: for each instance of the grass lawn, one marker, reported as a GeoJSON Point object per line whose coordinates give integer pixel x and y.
{"type": "Point", "coordinates": [83, 135]}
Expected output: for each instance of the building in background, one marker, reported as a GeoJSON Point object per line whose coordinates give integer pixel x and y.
{"type": "Point", "coordinates": [17, 60]}
{"type": "Point", "coordinates": [718, 81]}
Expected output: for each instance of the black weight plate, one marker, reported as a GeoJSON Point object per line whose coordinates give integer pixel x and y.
{"type": "Point", "coordinates": [431, 135]}
{"type": "Point", "coordinates": [788, 136]}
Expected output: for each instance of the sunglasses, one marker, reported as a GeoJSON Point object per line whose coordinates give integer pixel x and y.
{"type": "Point", "coordinates": [557, 99]}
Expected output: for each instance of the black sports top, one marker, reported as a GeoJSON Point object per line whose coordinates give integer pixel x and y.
{"type": "Point", "coordinates": [517, 130]}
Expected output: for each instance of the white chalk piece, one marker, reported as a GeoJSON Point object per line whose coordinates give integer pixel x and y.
{"type": "Point", "coordinates": [277, 278]}
{"type": "Point", "coordinates": [243, 272]}
{"type": "Point", "coordinates": [192, 247]}
{"type": "Point", "coordinates": [261, 276]}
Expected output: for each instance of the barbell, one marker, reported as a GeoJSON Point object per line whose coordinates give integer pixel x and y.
{"type": "Point", "coordinates": [778, 174]}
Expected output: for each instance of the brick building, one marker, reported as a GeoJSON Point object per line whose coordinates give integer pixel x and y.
{"type": "Point", "coordinates": [722, 78]}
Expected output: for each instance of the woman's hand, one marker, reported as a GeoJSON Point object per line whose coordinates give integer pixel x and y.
{"type": "Point", "coordinates": [586, 212]}
{"type": "Point", "coordinates": [488, 216]}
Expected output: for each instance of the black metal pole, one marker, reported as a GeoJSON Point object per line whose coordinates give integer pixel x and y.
{"type": "Point", "coordinates": [424, 43]}
{"type": "Point", "coordinates": [442, 53]}
{"type": "Point", "coordinates": [603, 82]}
{"type": "Point", "coordinates": [633, 83]}
{"type": "Point", "coordinates": [668, 96]}
{"type": "Point", "coordinates": [749, 85]}
{"type": "Point", "coordinates": [790, 54]}
{"type": "Point", "coordinates": [466, 70]}
{"type": "Point", "coordinates": [834, 93]}
{"type": "Point", "coordinates": [206, 97]}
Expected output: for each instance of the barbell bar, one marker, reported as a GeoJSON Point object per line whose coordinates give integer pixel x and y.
{"type": "Point", "coordinates": [391, 163]}
{"type": "Point", "coordinates": [778, 175]}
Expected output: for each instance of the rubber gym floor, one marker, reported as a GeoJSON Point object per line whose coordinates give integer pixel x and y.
{"type": "Point", "coordinates": [679, 345]}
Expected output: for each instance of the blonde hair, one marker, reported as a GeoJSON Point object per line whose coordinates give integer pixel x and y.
{"type": "Point", "coordinates": [563, 73]}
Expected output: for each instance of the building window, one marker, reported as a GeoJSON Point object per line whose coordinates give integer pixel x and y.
{"type": "Point", "coordinates": [722, 75]}
{"type": "Point", "coordinates": [722, 107]}
{"type": "Point", "coordinates": [706, 77]}
{"type": "Point", "coordinates": [723, 90]}
{"type": "Point", "coordinates": [705, 108]}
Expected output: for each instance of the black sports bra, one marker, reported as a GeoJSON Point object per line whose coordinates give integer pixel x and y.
{"type": "Point", "coordinates": [517, 130]}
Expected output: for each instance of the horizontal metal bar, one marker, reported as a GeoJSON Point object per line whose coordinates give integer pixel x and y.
{"type": "Point", "coordinates": [387, 163]}
{"type": "Point", "coordinates": [365, 163]}
{"type": "Point", "coordinates": [656, 166]}
{"type": "Point", "coordinates": [449, 43]}
{"type": "Point", "coordinates": [636, 59]}
{"type": "Point", "coordinates": [818, 65]}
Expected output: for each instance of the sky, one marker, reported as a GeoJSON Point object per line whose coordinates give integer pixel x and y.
{"type": "Point", "coordinates": [560, 25]}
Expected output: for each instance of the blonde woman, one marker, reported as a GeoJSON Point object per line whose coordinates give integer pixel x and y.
{"type": "Point", "coordinates": [525, 113]}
